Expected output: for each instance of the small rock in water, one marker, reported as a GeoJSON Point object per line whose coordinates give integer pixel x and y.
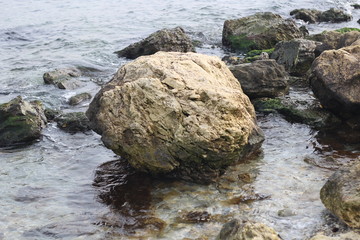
{"type": "Point", "coordinates": [195, 217]}
{"type": "Point", "coordinates": [356, 6]}
{"type": "Point", "coordinates": [73, 122]}
{"type": "Point", "coordinates": [63, 78]}
{"type": "Point", "coordinates": [286, 212]}
{"type": "Point", "coordinates": [79, 98]}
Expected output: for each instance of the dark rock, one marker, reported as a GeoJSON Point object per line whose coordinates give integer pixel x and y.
{"type": "Point", "coordinates": [167, 40]}
{"type": "Point", "coordinates": [341, 194]}
{"type": "Point", "coordinates": [307, 15]}
{"type": "Point", "coordinates": [259, 31]}
{"type": "Point", "coordinates": [79, 98]}
{"type": "Point", "coordinates": [194, 217]}
{"type": "Point", "coordinates": [334, 15]}
{"type": "Point", "coordinates": [51, 114]}
{"type": "Point", "coordinates": [237, 230]}
{"type": "Point", "coordinates": [263, 78]}
{"type": "Point", "coordinates": [21, 121]}
{"type": "Point", "coordinates": [356, 6]}
{"type": "Point", "coordinates": [335, 80]}
{"type": "Point", "coordinates": [296, 55]}
{"type": "Point", "coordinates": [73, 122]}
{"type": "Point", "coordinates": [63, 78]}
{"type": "Point", "coordinates": [233, 60]}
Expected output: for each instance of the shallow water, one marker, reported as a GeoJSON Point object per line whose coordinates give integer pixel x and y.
{"type": "Point", "coordinates": [69, 186]}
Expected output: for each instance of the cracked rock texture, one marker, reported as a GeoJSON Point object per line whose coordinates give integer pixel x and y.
{"type": "Point", "coordinates": [180, 114]}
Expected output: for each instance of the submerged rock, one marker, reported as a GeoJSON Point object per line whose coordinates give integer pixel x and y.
{"type": "Point", "coordinates": [21, 121]}
{"type": "Point", "coordinates": [259, 31]}
{"type": "Point", "coordinates": [312, 15]}
{"type": "Point", "coordinates": [262, 78]}
{"type": "Point", "coordinates": [341, 195]}
{"type": "Point", "coordinates": [181, 114]}
{"type": "Point", "coordinates": [63, 78]}
{"type": "Point", "coordinates": [73, 122]}
{"type": "Point", "coordinates": [79, 98]}
{"type": "Point", "coordinates": [335, 80]}
{"type": "Point", "coordinates": [296, 55]}
{"type": "Point", "coordinates": [168, 40]}
{"type": "Point", "coordinates": [235, 230]}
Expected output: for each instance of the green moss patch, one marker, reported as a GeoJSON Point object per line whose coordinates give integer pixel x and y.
{"type": "Point", "coordinates": [346, 29]}
{"type": "Point", "coordinates": [241, 42]}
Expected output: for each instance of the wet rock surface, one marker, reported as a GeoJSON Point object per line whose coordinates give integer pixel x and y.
{"type": "Point", "coordinates": [79, 98]}
{"type": "Point", "coordinates": [73, 122]}
{"type": "Point", "coordinates": [237, 230]}
{"type": "Point", "coordinates": [63, 78]}
{"type": "Point", "coordinates": [21, 121]}
{"type": "Point", "coordinates": [166, 114]}
{"type": "Point", "coordinates": [167, 40]}
{"type": "Point", "coordinates": [259, 31]}
{"type": "Point", "coordinates": [262, 78]}
{"type": "Point", "coordinates": [313, 16]}
{"type": "Point", "coordinates": [296, 55]}
{"type": "Point", "coordinates": [341, 194]}
{"type": "Point", "coordinates": [335, 80]}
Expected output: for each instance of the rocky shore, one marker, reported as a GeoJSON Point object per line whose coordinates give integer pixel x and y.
{"type": "Point", "coordinates": [172, 113]}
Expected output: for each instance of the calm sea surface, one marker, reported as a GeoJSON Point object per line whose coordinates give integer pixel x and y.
{"type": "Point", "coordinates": [69, 186]}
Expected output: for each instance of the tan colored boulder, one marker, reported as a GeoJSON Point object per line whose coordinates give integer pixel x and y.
{"type": "Point", "coordinates": [235, 230]}
{"type": "Point", "coordinates": [343, 236]}
{"type": "Point", "coordinates": [183, 113]}
{"type": "Point", "coordinates": [335, 80]}
{"type": "Point", "coordinates": [341, 194]}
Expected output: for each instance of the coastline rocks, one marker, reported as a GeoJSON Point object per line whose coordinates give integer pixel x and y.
{"type": "Point", "coordinates": [79, 98]}
{"type": "Point", "coordinates": [168, 40]}
{"type": "Point", "coordinates": [73, 122]}
{"type": "Point", "coordinates": [342, 236]}
{"type": "Point", "coordinates": [341, 194]}
{"type": "Point", "coordinates": [21, 121]}
{"type": "Point", "coordinates": [63, 78]}
{"type": "Point", "coordinates": [296, 55]}
{"type": "Point", "coordinates": [335, 80]}
{"type": "Point", "coordinates": [235, 230]}
{"type": "Point", "coordinates": [312, 15]}
{"type": "Point", "coordinates": [180, 114]}
{"type": "Point", "coordinates": [262, 78]}
{"type": "Point", "coordinates": [259, 31]}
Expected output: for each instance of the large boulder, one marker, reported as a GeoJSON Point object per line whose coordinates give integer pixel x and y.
{"type": "Point", "coordinates": [259, 31]}
{"type": "Point", "coordinates": [335, 80]}
{"type": "Point", "coordinates": [341, 194]}
{"type": "Point", "coordinates": [237, 230]}
{"type": "Point", "coordinates": [21, 121]}
{"type": "Point", "coordinates": [182, 114]}
{"type": "Point", "coordinates": [296, 55]}
{"type": "Point", "coordinates": [262, 78]}
{"type": "Point", "coordinates": [168, 40]}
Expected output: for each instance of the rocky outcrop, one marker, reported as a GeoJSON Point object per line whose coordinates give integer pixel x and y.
{"type": "Point", "coordinates": [181, 114]}
{"type": "Point", "coordinates": [262, 78]}
{"type": "Point", "coordinates": [342, 236]}
{"type": "Point", "coordinates": [259, 31]}
{"type": "Point", "coordinates": [296, 55]}
{"type": "Point", "coordinates": [335, 80]}
{"type": "Point", "coordinates": [236, 230]}
{"type": "Point", "coordinates": [167, 40]}
{"type": "Point", "coordinates": [79, 98]}
{"type": "Point", "coordinates": [21, 121]}
{"type": "Point", "coordinates": [313, 15]}
{"type": "Point", "coordinates": [73, 122]}
{"type": "Point", "coordinates": [63, 78]}
{"type": "Point", "coordinates": [341, 195]}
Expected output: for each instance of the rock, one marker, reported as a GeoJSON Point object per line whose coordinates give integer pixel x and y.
{"type": "Point", "coordinates": [180, 114]}
{"type": "Point", "coordinates": [79, 98]}
{"type": "Point", "coordinates": [356, 6]}
{"type": "Point", "coordinates": [358, 21]}
{"type": "Point", "coordinates": [311, 115]}
{"type": "Point", "coordinates": [286, 212]}
{"type": "Point", "coordinates": [63, 78]}
{"type": "Point", "coordinates": [21, 121]}
{"type": "Point", "coordinates": [235, 230]}
{"type": "Point", "coordinates": [342, 236]}
{"type": "Point", "coordinates": [73, 122]}
{"type": "Point", "coordinates": [259, 31]}
{"type": "Point", "coordinates": [168, 40]}
{"type": "Point", "coordinates": [51, 114]}
{"type": "Point", "coordinates": [307, 15]}
{"type": "Point", "coordinates": [341, 194]}
{"type": "Point", "coordinates": [262, 78]}
{"type": "Point", "coordinates": [194, 217]}
{"type": "Point", "coordinates": [296, 55]}
{"type": "Point", "coordinates": [233, 60]}
{"type": "Point", "coordinates": [335, 80]}
{"type": "Point", "coordinates": [335, 16]}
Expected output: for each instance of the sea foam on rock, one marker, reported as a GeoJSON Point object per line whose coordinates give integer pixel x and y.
{"type": "Point", "coordinates": [181, 114]}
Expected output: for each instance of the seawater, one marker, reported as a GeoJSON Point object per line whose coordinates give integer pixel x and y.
{"type": "Point", "coordinates": [69, 186]}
